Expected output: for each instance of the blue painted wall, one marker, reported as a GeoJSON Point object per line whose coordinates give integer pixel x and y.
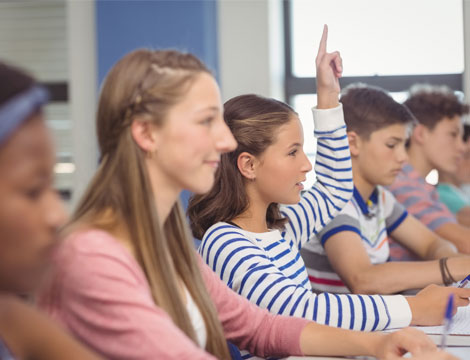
{"type": "Point", "coordinates": [123, 26]}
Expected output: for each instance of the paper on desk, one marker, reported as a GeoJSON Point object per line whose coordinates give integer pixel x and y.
{"type": "Point", "coordinates": [460, 324]}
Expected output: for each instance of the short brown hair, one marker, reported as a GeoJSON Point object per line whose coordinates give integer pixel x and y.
{"type": "Point", "coordinates": [430, 104]}
{"type": "Point", "coordinates": [370, 108]}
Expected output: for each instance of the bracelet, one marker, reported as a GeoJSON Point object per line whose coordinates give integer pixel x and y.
{"type": "Point", "coordinates": [449, 275]}
{"type": "Point", "coordinates": [447, 278]}
{"type": "Point", "coordinates": [441, 267]}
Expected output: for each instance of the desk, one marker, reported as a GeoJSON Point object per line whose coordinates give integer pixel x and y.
{"type": "Point", "coordinates": [462, 352]}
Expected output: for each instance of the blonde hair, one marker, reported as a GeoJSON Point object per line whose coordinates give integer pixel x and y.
{"type": "Point", "coordinates": [148, 83]}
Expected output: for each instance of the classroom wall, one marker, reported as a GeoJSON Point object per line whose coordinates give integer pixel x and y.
{"type": "Point", "coordinates": [122, 26]}
{"type": "Point", "coordinates": [251, 48]}
{"type": "Point", "coordinates": [103, 31]}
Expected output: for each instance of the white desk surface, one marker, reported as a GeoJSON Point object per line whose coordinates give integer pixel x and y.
{"type": "Point", "coordinates": [462, 352]}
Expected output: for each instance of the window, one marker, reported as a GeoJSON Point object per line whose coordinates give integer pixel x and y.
{"type": "Point", "coordinates": [33, 36]}
{"type": "Point", "coordinates": [391, 44]}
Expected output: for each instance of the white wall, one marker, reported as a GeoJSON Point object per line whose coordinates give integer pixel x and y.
{"type": "Point", "coordinates": [466, 38]}
{"type": "Point", "coordinates": [82, 91]}
{"type": "Point", "coordinates": [251, 49]}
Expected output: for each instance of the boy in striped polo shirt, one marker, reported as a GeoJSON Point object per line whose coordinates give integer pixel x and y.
{"type": "Point", "coordinates": [436, 143]}
{"type": "Point", "coordinates": [350, 254]}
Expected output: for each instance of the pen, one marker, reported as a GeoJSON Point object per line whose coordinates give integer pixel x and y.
{"type": "Point", "coordinates": [464, 282]}
{"type": "Point", "coordinates": [447, 320]}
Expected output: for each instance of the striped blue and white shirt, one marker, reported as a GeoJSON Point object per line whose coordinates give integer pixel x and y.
{"type": "Point", "coordinates": [267, 268]}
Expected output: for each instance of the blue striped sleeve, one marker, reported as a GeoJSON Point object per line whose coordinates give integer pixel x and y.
{"type": "Point", "coordinates": [333, 187]}
{"type": "Point", "coordinates": [248, 269]}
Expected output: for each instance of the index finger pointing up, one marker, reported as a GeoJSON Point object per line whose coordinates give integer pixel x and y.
{"type": "Point", "coordinates": [324, 38]}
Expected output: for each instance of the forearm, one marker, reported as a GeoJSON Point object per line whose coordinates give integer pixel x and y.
{"type": "Point", "coordinates": [457, 234]}
{"type": "Point", "coordinates": [459, 267]}
{"type": "Point", "coordinates": [327, 100]}
{"type": "Point", "coordinates": [393, 277]}
{"type": "Point", "coordinates": [441, 248]}
{"type": "Point", "coordinates": [48, 343]}
{"type": "Point", "coordinates": [318, 339]}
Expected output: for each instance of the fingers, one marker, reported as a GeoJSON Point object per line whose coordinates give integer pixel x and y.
{"type": "Point", "coordinates": [436, 355]}
{"type": "Point", "coordinates": [334, 60]}
{"type": "Point", "coordinates": [323, 40]}
{"type": "Point", "coordinates": [433, 355]}
{"type": "Point", "coordinates": [416, 341]}
{"type": "Point", "coordinates": [337, 64]}
{"type": "Point", "coordinates": [461, 296]}
{"type": "Point", "coordinates": [461, 302]}
{"type": "Point", "coordinates": [461, 292]}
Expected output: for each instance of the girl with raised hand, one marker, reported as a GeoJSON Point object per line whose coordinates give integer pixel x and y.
{"type": "Point", "coordinates": [30, 215]}
{"type": "Point", "coordinates": [127, 281]}
{"type": "Point", "coordinates": [253, 243]}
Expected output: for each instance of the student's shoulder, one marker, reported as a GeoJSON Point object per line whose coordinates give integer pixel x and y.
{"type": "Point", "coordinates": [9, 307]}
{"type": "Point", "coordinates": [349, 214]}
{"type": "Point", "coordinates": [223, 230]}
{"type": "Point", "coordinates": [94, 252]}
{"type": "Point", "coordinates": [348, 219]}
{"type": "Point", "coordinates": [92, 241]}
{"type": "Point", "coordinates": [14, 313]}
{"type": "Point", "coordinates": [15, 320]}
{"type": "Point", "coordinates": [351, 209]}
{"type": "Point", "coordinates": [385, 195]}
{"type": "Point", "coordinates": [447, 191]}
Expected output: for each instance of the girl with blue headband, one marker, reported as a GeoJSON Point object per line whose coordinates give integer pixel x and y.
{"type": "Point", "coordinates": [30, 215]}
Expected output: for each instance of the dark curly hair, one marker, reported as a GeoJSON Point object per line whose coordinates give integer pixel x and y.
{"type": "Point", "coordinates": [430, 104]}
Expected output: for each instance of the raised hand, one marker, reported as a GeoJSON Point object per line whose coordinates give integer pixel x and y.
{"type": "Point", "coordinates": [329, 70]}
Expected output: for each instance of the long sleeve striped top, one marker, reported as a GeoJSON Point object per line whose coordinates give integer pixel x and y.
{"type": "Point", "coordinates": [267, 268]}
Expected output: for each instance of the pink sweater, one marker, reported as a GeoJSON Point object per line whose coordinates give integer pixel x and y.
{"type": "Point", "coordinates": [100, 293]}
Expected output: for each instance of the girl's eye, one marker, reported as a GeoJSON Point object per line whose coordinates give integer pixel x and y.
{"type": "Point", "coordinates": [207, 121]}
{"type": "Point", "coordinates": [391, 146]}
{"type": "Point", "coordinates": [293, 153]}
{"type": "Point", "coordinates": [34, 193]}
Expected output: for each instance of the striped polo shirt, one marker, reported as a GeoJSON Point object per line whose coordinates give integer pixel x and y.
{"type": "Point", "coordinates": [267, 269]}
{"type": "Point", "coordinates": [422, 201]}
{"type": "Point", "coordinates": [372, 221]}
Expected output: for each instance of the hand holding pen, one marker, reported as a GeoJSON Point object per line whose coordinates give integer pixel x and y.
{"type": "Point", "coordinates": [447, 320]}
{"type": "Point", "coordinates": [464, 282]}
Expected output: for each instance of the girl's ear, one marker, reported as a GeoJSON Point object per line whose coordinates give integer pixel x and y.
{"type": "Point", "coordinates": [354, 143]}
{"type": "Point", "coordinates": [246, 163]}
{"type": "Point", "coordinates": [144, 134]}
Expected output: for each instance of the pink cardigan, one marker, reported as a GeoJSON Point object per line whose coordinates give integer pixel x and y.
{"type": "Point", "coordinates": [100, 293]}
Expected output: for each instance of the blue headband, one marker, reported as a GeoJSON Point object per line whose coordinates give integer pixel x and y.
{"type": "Point", "coordinates": [16, 110]}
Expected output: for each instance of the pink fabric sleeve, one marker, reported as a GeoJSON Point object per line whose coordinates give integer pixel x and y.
{"type": "Point", "coordinates": [100, 294]}
{"type": "Point", "coordinates": [249, 326]}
